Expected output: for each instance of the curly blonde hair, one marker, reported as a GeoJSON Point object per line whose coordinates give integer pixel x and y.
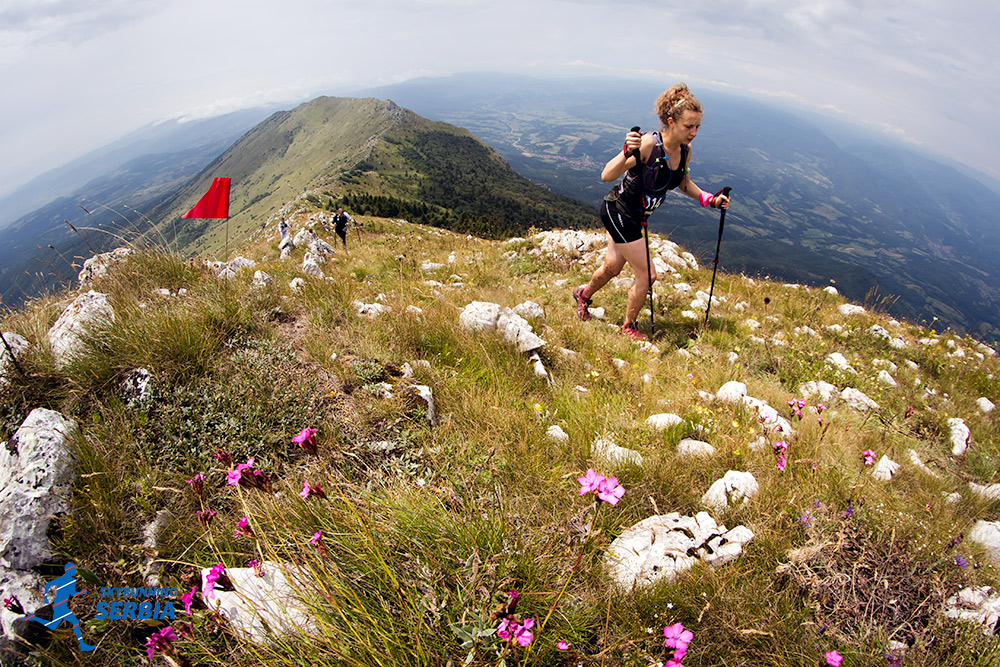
{"type": "Point", "coordinates": [675, 101]}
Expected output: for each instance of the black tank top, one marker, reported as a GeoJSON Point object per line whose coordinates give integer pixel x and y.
{"type": "Point", "coordinates": [638, 196]}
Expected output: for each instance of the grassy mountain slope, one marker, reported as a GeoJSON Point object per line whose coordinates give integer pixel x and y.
{"type": "Point", "coordinates": [423, 530]}
{"type": "Point", "coordinates": [341, 145]}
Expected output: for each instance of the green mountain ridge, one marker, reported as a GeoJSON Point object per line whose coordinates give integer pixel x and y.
{"type": "Point", "coordinates": [339, 146]}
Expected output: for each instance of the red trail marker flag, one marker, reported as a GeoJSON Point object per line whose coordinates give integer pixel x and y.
{"type": "Point", "coordinates": [214, 203]}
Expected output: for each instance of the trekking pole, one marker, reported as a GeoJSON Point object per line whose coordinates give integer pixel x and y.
{"type": "Point", "coordinates": [722, 221]}
{"type": "Point", "coordinates": [645, 232]}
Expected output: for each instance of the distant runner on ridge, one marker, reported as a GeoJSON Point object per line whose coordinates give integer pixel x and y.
{"type": "Point", "coordinates": [665, 156]}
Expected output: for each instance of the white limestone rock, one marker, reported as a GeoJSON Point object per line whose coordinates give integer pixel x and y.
{"type": "Point", "coordinates": [984, 404]}
{"type": "Point", "coordinates": [19, 345]}
{"type": "Point", "coordinates": [959, 435]}
{"type": "Point", "coordinates": [915, 460]}
{"type": "Point", "coordinates": [262, 280]}
{"type": "Point", "coordinates": [663, 547]}
{"type": "Point", "coordinates": [515, 330]}
{"type": "Point", "coordinates": [824, 390]}
{"type": "Point", "coordinates": [530, 310]}
{"type": "Point", "coordinates": [479, 316]}
{"type": "Point", "coordinates": [87, 314]}
{"type": "Point", "coordinates": [137, 388]}
{"type": "Point", "coordinates": [311, 268]}
{"type": "Point", "coordinates": [555, 433]}
{"type": "Point", "coordinates": [770, 418]}
{"type": "Point", "coordinates": [36, 474]}
{"type": "Point", "coordinates": [99, 265]}
{"type": "Point", "coordinates": [991, 492]}
{"type": "Point", "coordinates": [858, 400]}
{"type": "Point", "coordinates": [261, 607]}
{"type": "Point", "coordinates": [976, 605]}
{"type": "Point", "coordinates": [691, 448]}
{"type": "Point", "coordinates": [733, 487]}
{"type": "Point", "coordinates": [987, 533]}
{"type": "Point", "coordinates": [297, 284]}
{"type": "Point", "coordinates": [320, 248]}
{"type": "Point", "coordinates": [232, 268]}
{"type": "Point", "coordinates": [614, 454]}
{"type": "Point", "coordinates": [426, 395]}
{"type": "Point", "coordinates": [837, 360]}
{"type": "Point", "coordinates": [304, 237]}
{"type": "Point", "coordinates": [885, 469]}
{"type": "Point", "coordinates": [731, 392]}
{"type": "Point", "coordinates": [848, 309]}
{"type": "Point", "coordinates": [371, 310]}
{"type": "Point", "coordinates": [663, 421]}
{"type": "Point", "coordinates": [886, 378]}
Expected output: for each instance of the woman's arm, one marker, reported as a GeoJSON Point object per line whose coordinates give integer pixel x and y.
{"type": "Point", "coordinates": [689, 188]}
{"type": "Point", "coordinates": [621, 163]}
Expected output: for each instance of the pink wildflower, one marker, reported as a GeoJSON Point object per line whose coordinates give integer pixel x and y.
{"type": "Point", "coordinates": [160, 641]}
{"type": "Point", "coordinates": [311, 490]}
{"type": "Point", "coordinates": [243, 528]}
{"type": "Point", "coordinates": [306, 439]}
{"type": "Point", "coordinates": [610, 491]}
{"type": "Point", "coordinates": [563, 645]}
{"type": "Point", "coordinates": [590, 481]}
{"type": "Point", "coordinates": [833, 658]}
{"type": "Point", "coordinates": [188, 600]}
{"type": "Point", "coordinates": [869, 457]}
{"type": "Point", "coordinates": [217, 575]}
{"type": "Point", "coordinates": [197, 483]}
{"type": "Point", "coordinates": [317, 537]}
{"type": "Point", "coordinates": [523, 634]}
{"type": "Point", "coordinates": [205, 517]}
{"type": "Point", "coordinates": [224, 457]}
{"type": "Point", "coordinates": [782, 462]}
{"type": "Point", "coordinates": [258, 568]}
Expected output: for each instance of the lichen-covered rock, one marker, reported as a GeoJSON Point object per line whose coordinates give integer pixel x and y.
{"type": "Point", "coordinates": [99, 265]}
{"type": "Point", "coordinates": [479, 316]}
{"type": "Point", "coordinates": [689, 448]}
{"type": "Point", "coordinates": [976, 605]}
{"type": "Point", "coordinates": [663, 421]}
{"type": "Point", "coordinates": [666, 546]}
{"type": "Point", "coordinates": [734, 486]}
{"type": "Point", "coordinates": [959, 435]}
{"type": "Point", "coordinates": [260, 607]}
{"type": "Point", "coordinates": [614, 454]}
{"type": "Point", "coordinates": [19, 345]}
{"type": "Point", "coordinates": [36, 473]}
{"type": "Point", "coordinates": [87, 314]}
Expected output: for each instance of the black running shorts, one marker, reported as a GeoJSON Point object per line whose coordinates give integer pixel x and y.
{"type": "Point", "coordinates": [622, 229]}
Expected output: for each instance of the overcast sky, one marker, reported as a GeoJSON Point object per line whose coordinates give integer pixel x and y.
{"type": "Point", "coordinates": [77, 74]}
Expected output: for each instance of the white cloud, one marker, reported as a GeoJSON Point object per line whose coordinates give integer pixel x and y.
{"type": "Point", "coordinates": [79, 74]}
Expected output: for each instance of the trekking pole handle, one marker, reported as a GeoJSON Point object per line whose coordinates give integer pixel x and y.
{"type": "Point", "coordinates": [725, 193]}
{"type": "Point", "coordinates": [636, 154]}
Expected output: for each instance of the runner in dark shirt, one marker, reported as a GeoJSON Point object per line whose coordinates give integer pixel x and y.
{"type": "Point", "coordinates": [665, 156]}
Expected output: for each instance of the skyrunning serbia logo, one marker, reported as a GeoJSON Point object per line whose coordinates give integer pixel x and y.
{"type": "Point", "coordinates": [65, 591]}
{"type": "Point", "coordinates": [118, 609]}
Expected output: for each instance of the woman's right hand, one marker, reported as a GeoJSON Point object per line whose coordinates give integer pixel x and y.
{"type": "Point", "coordinates": [633, 140]}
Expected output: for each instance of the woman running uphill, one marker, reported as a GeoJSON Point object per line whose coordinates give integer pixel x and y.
{"type": "Point", "coordinates": [665, 157]}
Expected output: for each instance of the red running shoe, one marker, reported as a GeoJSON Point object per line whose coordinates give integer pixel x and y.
{"type": "Point", "coordinates": [632, 331]}
{"type": "Point", "coordinates": [582, 303]}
